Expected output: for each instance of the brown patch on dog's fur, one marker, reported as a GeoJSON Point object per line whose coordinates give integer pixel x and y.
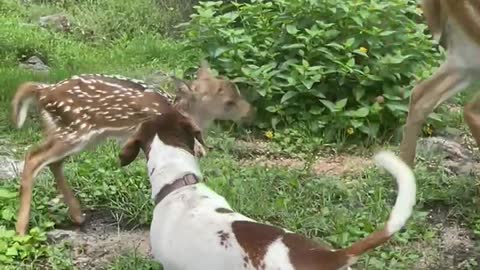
{"type": "Point", "coordinates": [255, 239]}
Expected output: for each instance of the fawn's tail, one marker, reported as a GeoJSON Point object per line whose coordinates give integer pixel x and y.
{"type": "Point", "coordinates": [26, 94]}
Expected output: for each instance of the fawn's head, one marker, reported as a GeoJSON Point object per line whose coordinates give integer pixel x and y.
{"type": "Point", "coordinates": [213, 98]}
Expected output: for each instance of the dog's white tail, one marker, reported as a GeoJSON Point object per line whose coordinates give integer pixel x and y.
{"type": "Point", "coordinates": [402, 209]}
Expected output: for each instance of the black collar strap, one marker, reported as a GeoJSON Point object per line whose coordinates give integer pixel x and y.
{"type": "Point", "coordinates": [186, 180]}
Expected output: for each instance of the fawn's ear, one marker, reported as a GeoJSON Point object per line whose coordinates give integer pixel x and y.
{"type": "Point", "coordinates": [182, 87]}
{"type": "Point", "coordinates": [203, 71]}
{"type": "Point", "coordinates": [129, 152]}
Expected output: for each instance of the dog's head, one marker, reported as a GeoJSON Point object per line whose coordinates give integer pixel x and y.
{"type": "Point", "coordinates": [172, 128]}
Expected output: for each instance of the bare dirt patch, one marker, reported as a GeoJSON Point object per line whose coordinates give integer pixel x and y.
{"type": "Point", "coordinates": [253, 153]}
{"type": "Point", "coordinates": [100, 241]}
{"type": "Point", "coordinates": [456, 247]}
{"type": "Point", "coordinates": [334, 166]}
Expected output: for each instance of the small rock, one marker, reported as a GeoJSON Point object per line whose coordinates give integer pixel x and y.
{"type": "Point", "coordinates": [35, 64]}
{"type": "Point", "coordinates": [59, 235]}
{"type": "Point", "coordinates": [55, 22]}
{"type": "Point", "coordinates": [446, 148]}
{"type": "Point", "coordinates": [10, 168]}
{"type": "Point", "coordinates": [454, 157]}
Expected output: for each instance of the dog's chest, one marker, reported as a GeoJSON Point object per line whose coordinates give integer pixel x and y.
{"type": "Point", "coordinates": [192, 230]}
{"type": "Point", "coordinates": [188, 233]}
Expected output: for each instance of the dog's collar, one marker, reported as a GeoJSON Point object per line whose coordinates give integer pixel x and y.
{"type": "Point", "coordinates": [186, 180]}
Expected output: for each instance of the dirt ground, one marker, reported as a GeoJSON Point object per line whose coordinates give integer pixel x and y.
{"type": "Point", "coordinates": [100, 240]}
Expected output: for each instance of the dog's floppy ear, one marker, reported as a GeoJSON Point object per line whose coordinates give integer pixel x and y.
{"type": "Point", "coordinates": [199, 146]}
{"type": "Point", "coordinates": [129, 152]}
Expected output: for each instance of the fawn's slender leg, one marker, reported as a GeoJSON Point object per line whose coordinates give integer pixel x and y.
{"type": "Point", "coordinates": [74, 207]}
{"type": "Point", "coordinates": [471, 114]}
{"type": "Point", "coordinates": [442, 85]}
{"type": "Point", "coordinates": [49, 151]}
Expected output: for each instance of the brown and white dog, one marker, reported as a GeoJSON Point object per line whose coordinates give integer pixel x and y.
{"type": "Point", "coordinates": [194, 228]}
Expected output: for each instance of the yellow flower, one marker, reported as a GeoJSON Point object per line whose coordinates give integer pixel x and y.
{"type": "Point", "coordinates": [363, 49]}
{"type": "Point", "coordinates": [419, 10]}
{"type": "Point", "coordinates": [269, 135]}
{"type": "Point", "coordinates": [429, 130]}
{"type": "Point", "coordinates": [350, 131]}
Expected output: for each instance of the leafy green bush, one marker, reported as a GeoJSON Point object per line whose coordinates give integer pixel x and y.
{"type": "Point", "coordinates": [14, 248]}
{"type": "Point", "coordinates": [334, 66]}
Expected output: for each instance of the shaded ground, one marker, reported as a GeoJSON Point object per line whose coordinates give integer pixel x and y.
{"type": "Point", "coordinates": [457, 247]}
{"type": "Point", "coordinates": [101, 240]}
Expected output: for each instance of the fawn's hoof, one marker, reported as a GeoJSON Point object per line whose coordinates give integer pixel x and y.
{"type": "Point", "coordinates": [21, 230]}
{"type": "Point", "coordinates": [79, 219]}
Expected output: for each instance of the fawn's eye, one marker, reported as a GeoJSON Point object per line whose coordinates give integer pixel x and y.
{"type": "Point", "coordinates": [229, 103]}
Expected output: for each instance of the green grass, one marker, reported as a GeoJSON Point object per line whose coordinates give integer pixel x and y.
{"type": "Point", "coordinates": [133, 261]}
{"type": "Point", "coordinates": [336, 210]}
